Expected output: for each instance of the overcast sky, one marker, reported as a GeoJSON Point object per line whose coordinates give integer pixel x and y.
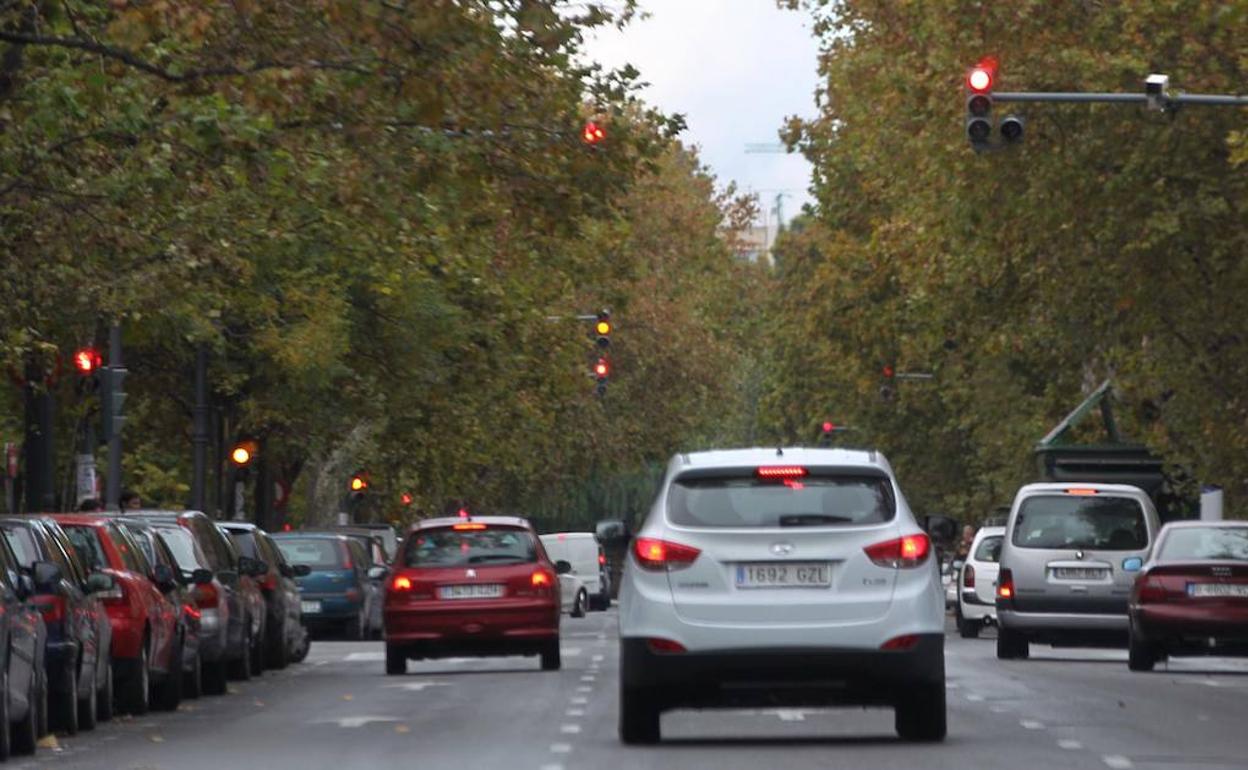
{"type": "Point", "coordinates": [736, 69]}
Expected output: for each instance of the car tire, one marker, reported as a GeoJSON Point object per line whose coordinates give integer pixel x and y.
{"type": "Point", "coordinates": [6, 730]}
{"type": "Point", "coordinates": [639, 717]}
{"type": "Point", "coordinates": [240, 669]}
{"type": "Point", "coordinates": [578, 604]}
{"type": "Point", "coordinates": [88, 707]}
{"type": "Point", "coordinates": [216, 676]}
{"type": "Point", "coordinates": [396, 660]}
{"type": "Point", "coordinates": [922, 716]}
{"type": "Point", "coordinates": [104, 703]}
{"type": "Point", "coordinates": [257, 654]}
{"type": "Point", "coordinates": [1141, 656]}
{"type": "Point", "coordinates": [354, 628]}
{"type": "Point", "coordinates": [1011, 645]}
{"type": "Point", "coordinates": [551, 658]}
{"type": "Point", "coordinates": [26, 732]}
{"type": "Point", "coordinates": [193, 680]}
{"type": "Point", "coordinates": [967, 629]}
{"type": "Point", "coordinates": [67, 703]}
{"type": "Point", "coordinates": [167, 693]}
{"type": "Point", "coordinates": [300, 653]}
{"type": "Point", "coordinates": [136, 684]}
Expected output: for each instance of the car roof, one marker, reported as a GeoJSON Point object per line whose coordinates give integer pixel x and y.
{"type": "Point", "coordinates": [755, 456]}
{"type": "Point", "coordinates": [1062, 486]}
{"type": "Point", "coordinates": [244, 525]}
{"type": "Point", "coordinates": [1199, 524]}
{"type": "Point", "coordinates": [89, 519]}
{"type": "Point", "coordinates": [305, 533]}
{"type": "Point", "coordinates": [450, 521]}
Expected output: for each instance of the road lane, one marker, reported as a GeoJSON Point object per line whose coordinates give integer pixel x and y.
{"type": "Point", "coordinates": [1062, 709]}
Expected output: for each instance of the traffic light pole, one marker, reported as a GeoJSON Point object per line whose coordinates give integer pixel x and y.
{"type": "Point", "coordinates": [112, 496]}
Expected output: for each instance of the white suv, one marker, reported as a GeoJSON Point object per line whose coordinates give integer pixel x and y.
{"type": "Point", "coordinates": [781, 577]}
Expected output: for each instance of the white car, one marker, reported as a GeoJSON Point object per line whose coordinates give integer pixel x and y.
{"type": "Point", "coordinates": [977, 583]}
{"type": "Point", "coordinates": [573, 596]}
{"type": "Point", "coordinates": [781, 577]}
{"type": "Point", "coordinates": [584, 553]}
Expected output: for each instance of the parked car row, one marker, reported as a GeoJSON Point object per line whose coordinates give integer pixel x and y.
{"type": "Point", "coordinates": [124, 613]}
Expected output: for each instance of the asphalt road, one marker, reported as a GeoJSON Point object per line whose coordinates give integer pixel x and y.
{"type": "Point", "coordinates": [1061, 709]}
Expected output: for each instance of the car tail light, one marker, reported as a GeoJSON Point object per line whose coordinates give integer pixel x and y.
{"type": "Point", "coordinates": [654, 554]}
{"type": "Point", "coordinates": [471, 527]}
{"type": "Point", "coordinates": [1005, 584]}
{"type": "Point", "coordinates": [665, 646]}
{"type": "Point", "coordinates": [207, 596]}
{"type": "Point", "coordinates": [269, 582]}
{"type": "Point", "coordinates": [602, 559]}
{"type": "Point", "coordinates": [192, 611]}
{"type": "Point", "coordinates": [541, 579]}
{"type": "Point", "coordinates": [1081, 492]}
{"type": "Point", "coordinates": [401, 583]}
{"type": "Point", "coordinates": [968, 576]}
{"type": "Point", "coordinates": [900, 553]}
{"type": "Point", "coordinates": [903, 642]}
{"type": "Point", "coordinates": [52, 606]}
{"type": "Point", "coordinates": [780, 471]}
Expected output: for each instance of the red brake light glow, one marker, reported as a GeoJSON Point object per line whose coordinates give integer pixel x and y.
{"type": "Point", "coordinates": [654, 554]}
{"type": "Point", "coordinates": [1005, 585]}
{"type": "Point", "coordinates": [540, 579]}
{"type": "Point", "coordinates": [602, 559]}
{"type": "Point", "coordinates": [781, 472]}
{"type": "Point", "coordinates": [900, 553]}
{"type": "Point", "coordinates": [401, 583]}
{"type": "Point", "coordinates": [664, 646]}
{"type": "Point", "coordinates": [1081, 492]}
{"type": "Point", "coordinates": [467, 527]}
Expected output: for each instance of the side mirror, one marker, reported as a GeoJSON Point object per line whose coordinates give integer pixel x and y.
{"type": "Point", "coordinates": [98, 582]}
{"type": "Point", "coordinates": [286, 570]}
{"type": "Point", "coordinates": [228, 577]}
{"type": "Point", "coordinates": [377, 572]}
{"type": "Point", "coordinates": [25, 587]}
{"type": "Point", "coordinates": [251, 567]}
{"type": "Point", "coordinates": [45, 576]}
{"type": "Point", "coordinates": [611, 531]}
{"type": "Point", "coordinates": [163, 577]}
{"type": "Point", "coordinates": [940, 528]}
{"type": "Point", "coordinates": [301, 570]}
{"type": "Point", "coordinates": [201, 576]}
{"type": "Point", "coordinates": [563, 567]}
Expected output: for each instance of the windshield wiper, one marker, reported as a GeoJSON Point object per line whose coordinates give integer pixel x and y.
{"type": "Point", "coordinates": [812, 519]}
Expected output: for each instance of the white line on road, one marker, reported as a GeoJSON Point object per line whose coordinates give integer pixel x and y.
{"type": "Point", "coordinates": [560, 748]}
{"type": "Point", "coordinates": [597, 658]}
{"type": "Point", "coordinates": [789, 715]}
{"type": "Point", "coordinates": [589, 678]}
{"type": "Point", "coordinates": [1117, 761]}
{"type": "Point", "coordinates": [365, 657]}
{"type": "Point", "coordinates": [552, 767]}
{"type": "Point", "coordinates": [1070, 745]}
{"type": "Point", "coordinates": [415, 686]}
{"type": "Point", "coordinates": [572, 652]}
{"type": "Point", "coordinates": [974, 696]}
{"type": "Point", "coordinates": [569, 729]}
{"type": "Point", "coordinates": [1031, 724]}
{"type": "Point", "coordinates": [577, 700]}
{"type": "Point", "coordinates": [358, 721]}
{"type": "Point", "coordinates": [575, 712]}
{"type": "Point", "coordinates": [584, 688]}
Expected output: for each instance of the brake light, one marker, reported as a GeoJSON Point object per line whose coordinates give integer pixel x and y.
{"type": "Point", "coordinates": [968, 576]}
{"type": "Point", "coordinates": [655, 554]}
{"type": "Point", "coordinates": [1081, 492]}
{"type": "Point", "coordinates": [665, 646]}
{"type": "Point", "coordinates": [602, 559]}
{"type": "Point", "coordinates": [269, 582]}
{"type": "Point", "coordinates": [207, 596]}
{"type": "Point", "coordinates": [540, 579]}
{"type": "Point", "coordinates": [401, 583]}
{"type": "Point", "coordinates": [780, 471]}
{"type": "Point", "coordinates": [903, 642]}
{"type": "Point", "coordinates": [192, 612]}
{"type": "Point", "coordinates": [52, 606]}
{"type": "Point", "coordinates": [472, 526]}
{"type": "Point", "coordinates": [1005, 584]}
{"type": "Point", "coordinates": [904, 552]}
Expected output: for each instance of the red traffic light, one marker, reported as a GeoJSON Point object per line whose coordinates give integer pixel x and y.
{"type": "Point", "coordinates": [982, 76]}
{"type": "Point", "coordinates": [602, 369]}
{"type": "Point", "coordinates": [889, 371]}
{"type": "Point", "coordinates": [87, 360]}
{"type": "Point", "coordinates": [592, 133]}
{"type": "Point", "coordinates": [828, 426]}
{"type": "Point", "coordinates": [405, 498]}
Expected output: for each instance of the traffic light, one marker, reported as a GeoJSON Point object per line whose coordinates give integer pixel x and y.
{"type": "Point", "coordinates": [1012, 129]}
{"type": "Point", "coordinates": [112, 399]}
{"type": "Point", "coordinates": [358, 483]}
{"type": "Point", "coordinates": [87, 360]}
{"type": "Point", "coordinates": [243, 453]}
{"type": "Point", "coordinates": [592, 133]}
{"type": "Point", "coordinates": [979, 83]}
{"type": "Point", "coordinates": [602, 329]}
{"type": "Point", "coordinates": [602, 370]}
{"type": "Point", "coordinates": [887, 390]}
{"type": "Point", "coordinates": [405, 499]}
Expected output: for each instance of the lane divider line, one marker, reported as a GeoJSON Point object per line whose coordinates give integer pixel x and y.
{"type": "Point", "coordinates": [1117, 761]}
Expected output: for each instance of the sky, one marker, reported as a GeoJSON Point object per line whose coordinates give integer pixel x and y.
{"type": "Point", "coordinates": [736, 69]}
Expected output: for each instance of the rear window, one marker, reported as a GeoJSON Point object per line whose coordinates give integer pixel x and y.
{"type": "Point", "coordinates": [182, 545]}
{"type": "Point", "coordinates": [1201, 543]}
{"type": "Point", "coordinates": [317, 553]}
{"type": "Point", "coordinates": [86, 542]}
{"type": "Point", "coordinates": [23, 544]}
{"type": "Point", "coordinates": [1081, 521]}
{"type": "Point", "coordinates": [748, 501]}
{"type": "Point", "coordinates": [456, 548]}
{"type": "Point", "coordinates": [244, 542]}
{"type": "Point", "coordinates": [989, 549]}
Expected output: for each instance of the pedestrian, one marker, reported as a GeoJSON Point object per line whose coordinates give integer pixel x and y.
{"type": "Point", "coordinates": [89, 505]}
{"type": "Point", "coordinates": [964, 545]}
{"type": "Point", "coordinates": [130, 500]}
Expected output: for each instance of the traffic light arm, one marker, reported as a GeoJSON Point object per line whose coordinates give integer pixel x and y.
{"type": "Point", "coordinates": [1222, 100]}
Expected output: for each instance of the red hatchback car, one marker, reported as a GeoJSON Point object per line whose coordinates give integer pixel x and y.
{"type": "Point", "coordinates": [1191, 598]}
{"type": "Point", "coordinates": [471, 586]}
{"type": "Point", "coordinates": [144, 621]}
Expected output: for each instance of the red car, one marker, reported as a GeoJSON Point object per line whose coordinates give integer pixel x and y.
{"type": "Point", "coordinates": [1191, 598]}
{"type": "Point", "coordinates": [471, 586]}
{"type": "Point", "coordinates": [145, 644]}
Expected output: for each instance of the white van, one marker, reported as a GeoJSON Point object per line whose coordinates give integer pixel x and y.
{"type": "Point", "coordinates": [582, 551]}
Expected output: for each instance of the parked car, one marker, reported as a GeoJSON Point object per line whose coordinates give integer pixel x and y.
{"type": "Point", "coordinates": [337, 591]}
{"type": "Point", "coordinates": [79, 635]}
{"type": "Point", "coordinates": [233, 595]}
{"type": "Point", "coordinates": [976, 583]}
{"type": "Point", "coordinates": [147, 657]}
{"type": "Point", "coordinates": [374, 556]}
{"type": "Point", "coordinates": [286, 638]}
{"type": "Point", "coordinates": [949, 573]}
{"type": "Point", "coordinates": [1068, 560]}
{"type": "Point", "coordinates": [384, 532]}
{"type": "Point", "coordinates": [589, 563]}
{"type": "Point", "coordinates": [180, 590]}
{"type": "Point", "coordinates": [23, 681]}
{"type": "Point", "coordinates": [472, 586]}
{"type": "Point", "coordinates": [1191, 598]}
{"type": "Point", "coordinates": [773, 577]}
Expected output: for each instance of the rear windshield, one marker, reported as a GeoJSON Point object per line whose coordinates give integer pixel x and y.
{"type": "Point", "coordinates": [1078, 521]}
{"type": "Point", "coordinates": [1200, 543]}
{"type": "Point", "coordinates": [317, 553]}
{"type": "Point", "coordinates": [989, 549]}
{"type": "Point", "coordinates": [245, 543]}
{"type": "Point", "coordinates": [86, 542]}
{"type": "Point", "coordinates": [456, 548]}
{"type": "Point", "coordinates": [812, 501]}
{"type": "Point", "coordinates": [182, 544]}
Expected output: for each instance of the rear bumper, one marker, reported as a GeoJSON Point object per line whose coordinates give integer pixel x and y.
{"type": "Point", "coordinates": [334, 608]}
{"type": "Point", "coordinates": [1194, 630]}
{"type": "Point", "coordinates": [1065, 628]}
{"type": "Point", "coordinates": [787, 676]}
{"type": "Point", "coordinates": [488, 624]}
{"type": "Point", "coordinates": [974, 608]}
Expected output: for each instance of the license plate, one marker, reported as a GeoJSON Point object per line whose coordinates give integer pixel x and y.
{"type": "Point", "coordinates": [1078, 573]}
{"type": "Point", "coordinates": [1218, 589]}
{"type": "Point", "coordinates": [473, 591]}
{"type": "Point", "coordinates": [786, 575]}
{"type": "Point", "coordinates": [310, 608]}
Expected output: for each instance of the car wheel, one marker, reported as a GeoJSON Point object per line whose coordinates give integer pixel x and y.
{"type": "Point", "coordinates": [193, 680]}
{"type": "Point", "coordinates": [67, 703]}
{"type": "Point", "coordinates": [278, 650]}
{"type": "Point", "coordinates": [578, 604]}
{"type": "Point", "coordinates": [168, 692]}
{"type": "Point", "coordinates": [88, 707]}
{"type": "Point", "coordinates": [26, 732]}
{"type": "Point", "coordinates": [257, 654]}
{"type": "Point", "coordinates": [240, 669]}
{"type": "Point", "coordinates": [639, 716]}
{"type": "Point", "coordinates": [104, 705]}
{"type": "Point", "coordinates": [967, 629]}
{"type": "Point", "coordinates": [354, 628]}
{"type": "Point", "coordinates": [1140, 654]}
{"type": "Point", "coordinates": [922, 717]}
{"type": "Point", "coordinates": [6, 731]}
{"type": "Point", "coordinates": [135, 686]}
{"type": "Point", "coordinates": [396, 660]}
{"type": "Point", "coordinates": [300, 653]}
{"type": "Point", "coordinates": [1011, 645]}
{"type": "Point", "coordinates": [551, 660]}
{"type": "Point", "coordinates": [216, 674]}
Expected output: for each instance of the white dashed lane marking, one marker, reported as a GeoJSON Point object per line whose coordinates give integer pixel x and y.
{"type": "Point", "coordinates": [569, 729]}
{"type": "Point", "coordinates": [1117, 761]}
{"type": "Point", "coordinates": [1032, 724]}
{"type": "Point", "coordinates": [1070, 745]}
{"type": "Point", "coordinates": [560, 748]}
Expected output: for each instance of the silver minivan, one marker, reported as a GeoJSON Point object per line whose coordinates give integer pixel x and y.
{"type": "Point", "coordinates": [1070, 554]}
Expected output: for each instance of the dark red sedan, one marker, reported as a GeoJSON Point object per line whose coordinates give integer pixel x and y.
{"type": "Point", "coordinates": [1191, 598]}
{"type": "Point", "coordinates": [471, 586]}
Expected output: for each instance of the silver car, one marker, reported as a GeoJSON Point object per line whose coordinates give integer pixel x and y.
{"type": "Point", "coordinates": [1070, 554]}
